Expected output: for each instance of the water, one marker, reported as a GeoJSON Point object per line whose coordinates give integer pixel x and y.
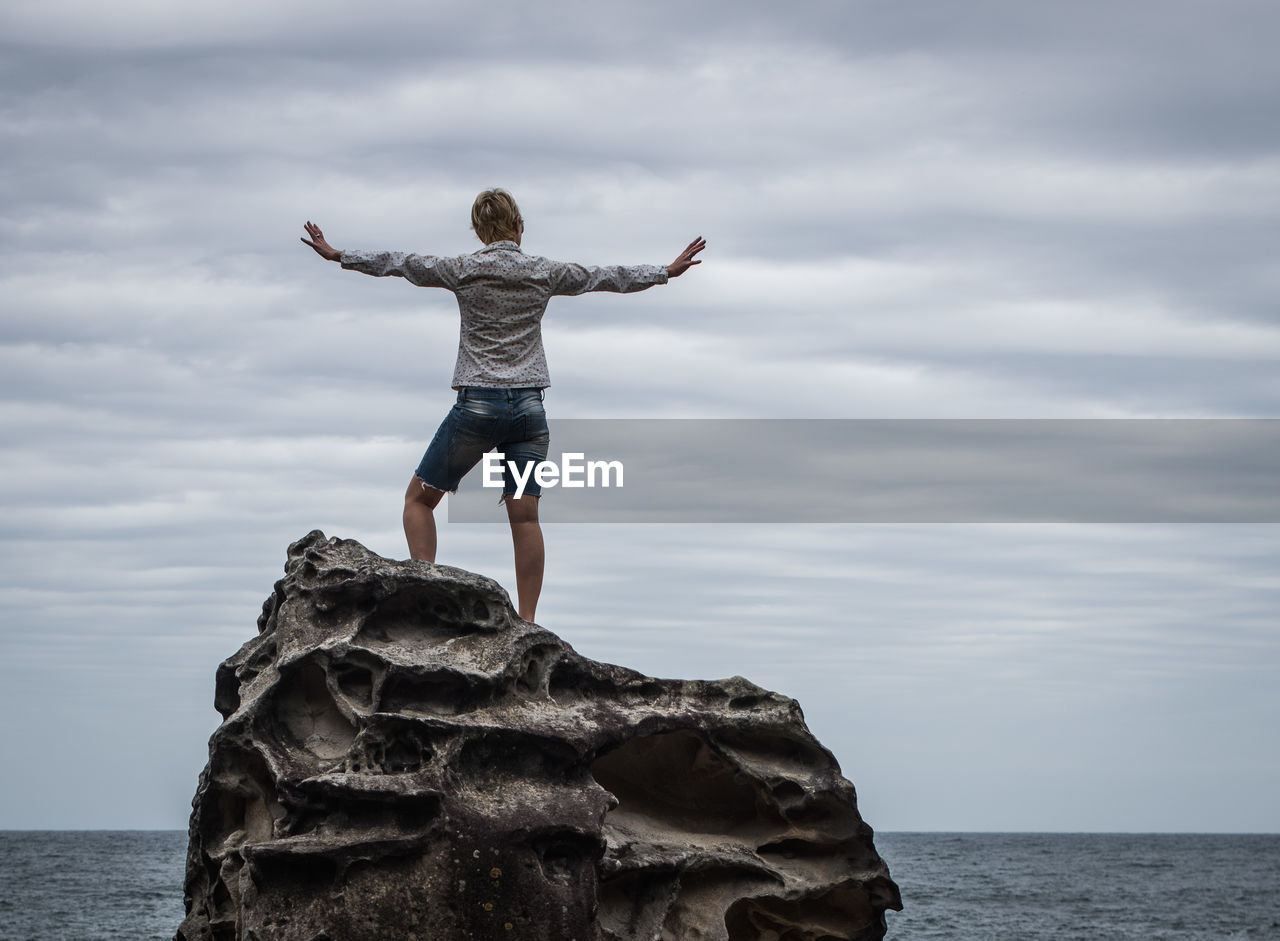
{"type": "Point", "coordinates": [59, 885]}
{"type": "Point", "coordinates": [1085, 886]}
{"type": "Point", "coordinates": [127, 886]}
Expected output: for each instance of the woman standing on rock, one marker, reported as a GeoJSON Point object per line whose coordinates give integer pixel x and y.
{"type": "Point", "coordinates": [501, 370]}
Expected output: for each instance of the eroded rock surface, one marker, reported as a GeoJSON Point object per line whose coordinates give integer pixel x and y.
{"type": "Point", "coordinates": [402, 757]}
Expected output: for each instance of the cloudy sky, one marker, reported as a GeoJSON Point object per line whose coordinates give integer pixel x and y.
{"type": "Point", "coordinates": [936, 209]}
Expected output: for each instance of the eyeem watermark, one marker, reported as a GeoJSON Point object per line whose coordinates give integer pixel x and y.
{"type": "Point", "coordinates": [574, 470]}
{"type": "Point", "coordinates": [782, 470]}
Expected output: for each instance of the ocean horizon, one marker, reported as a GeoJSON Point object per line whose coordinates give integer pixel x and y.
{"type": "Point", "coordinates": [59, 885]}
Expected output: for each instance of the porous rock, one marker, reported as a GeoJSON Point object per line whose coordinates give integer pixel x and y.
{"type": "Point", "coordinates": [402, 757]}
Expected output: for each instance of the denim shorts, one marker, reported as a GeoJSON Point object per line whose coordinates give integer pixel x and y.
{"type": "Point", "coordinates": [512, 421]}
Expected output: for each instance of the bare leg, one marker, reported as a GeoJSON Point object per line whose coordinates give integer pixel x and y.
{"type": "Point", "coordinates": [526, 536]}
{"type": "Point", "coordinates": [420, 502]}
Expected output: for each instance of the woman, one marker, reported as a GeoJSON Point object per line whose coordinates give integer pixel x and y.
{"type": "Point", "coordinates": [501, 369]}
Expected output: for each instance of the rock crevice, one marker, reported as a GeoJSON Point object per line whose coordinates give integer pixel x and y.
{"type": "Point", "coordinates": [402, 757]}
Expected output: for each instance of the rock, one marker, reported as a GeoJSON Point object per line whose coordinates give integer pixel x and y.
{"type": "Point", "coordinates": [402, 757]}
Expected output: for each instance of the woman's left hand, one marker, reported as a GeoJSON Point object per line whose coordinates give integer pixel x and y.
{"type": "Point", "coordinates": [317, 241]}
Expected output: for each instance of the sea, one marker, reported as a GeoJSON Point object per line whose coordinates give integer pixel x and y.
{"type": "Point", "coordinates": [127, 886]}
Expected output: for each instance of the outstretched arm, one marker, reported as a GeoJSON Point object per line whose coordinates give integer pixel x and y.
{"type": "Point", "coordinates": [622, 279]}
{"type": "Point", "coordinates": [685, 261]}
{"type": "Point", "coordinates": [423, 270]}
{"type": "Point", "coordinates": [323, 248]}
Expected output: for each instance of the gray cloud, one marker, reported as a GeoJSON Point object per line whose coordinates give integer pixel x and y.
{"type": "Point", "coordinates": [981, 210]}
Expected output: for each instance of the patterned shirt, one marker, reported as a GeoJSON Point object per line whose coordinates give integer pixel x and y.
{"type": "Point", "coordinates": [502, 294]}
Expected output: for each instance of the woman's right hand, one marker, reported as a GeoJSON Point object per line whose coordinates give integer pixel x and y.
{"type": "Point", "coordinates": [317, 241]}
{"type": "Point", "coordinates": [685, 261]}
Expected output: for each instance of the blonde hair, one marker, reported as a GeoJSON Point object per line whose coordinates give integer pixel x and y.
{"type": "Point", "coordinates": [495, 216]}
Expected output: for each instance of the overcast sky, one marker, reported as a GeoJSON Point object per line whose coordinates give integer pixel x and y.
{"type": "Point", "coordinates": [979, 209]}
